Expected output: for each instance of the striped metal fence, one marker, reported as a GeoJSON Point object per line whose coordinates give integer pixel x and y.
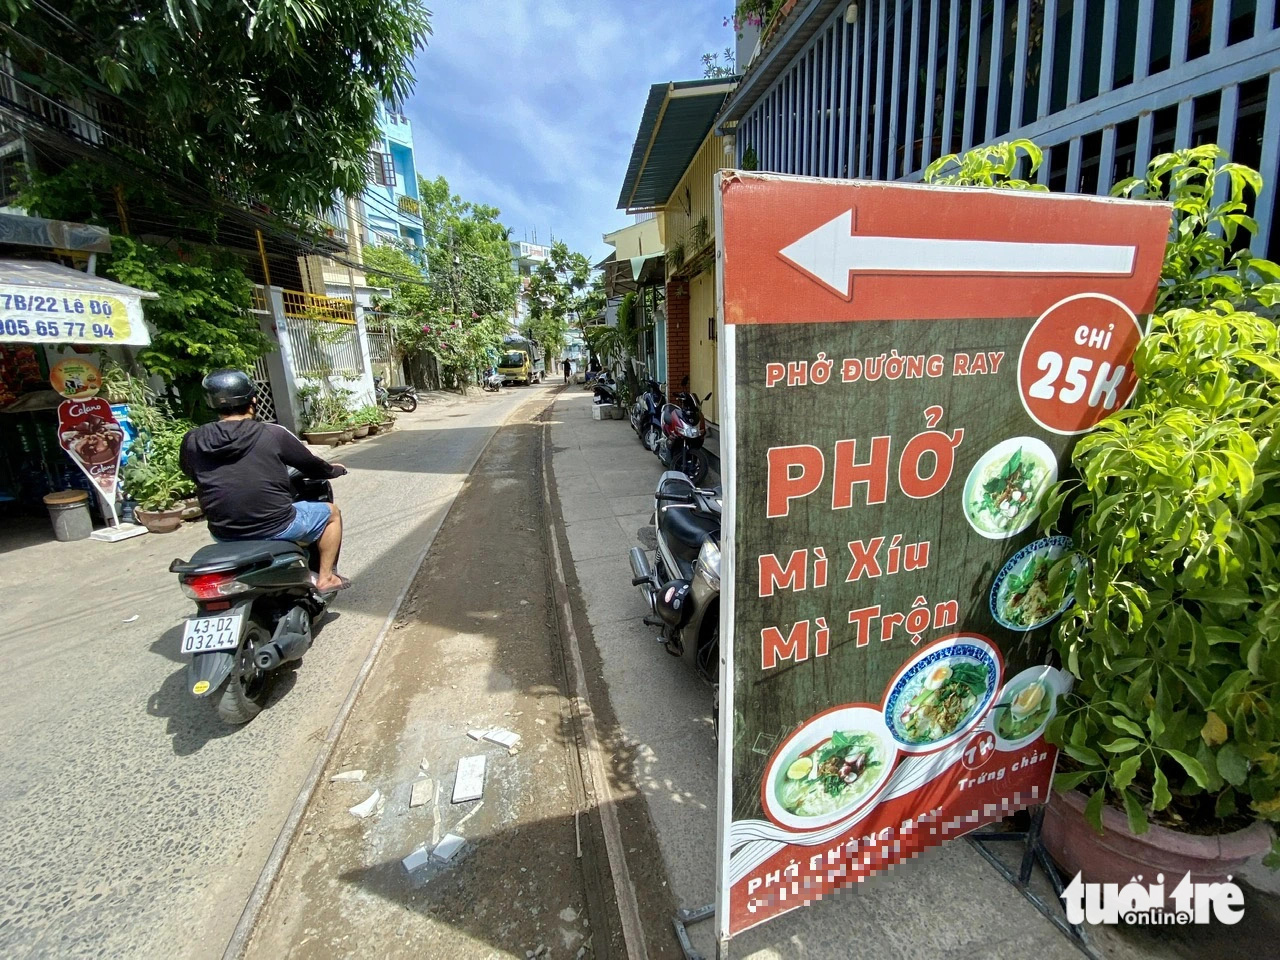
{"type": "Point", "coordinates": [881, 90]}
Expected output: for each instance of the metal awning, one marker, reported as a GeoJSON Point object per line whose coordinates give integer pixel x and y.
{"type": "Point", "coordinates": [677, 117]}
{"type": "Point", "coordinates": [42, 302]}
{"type": "Point", "coordinates": [631, 273]}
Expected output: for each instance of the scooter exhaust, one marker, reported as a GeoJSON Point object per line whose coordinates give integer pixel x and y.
{"type": "Point", "coordinates": [642, 577]}
{"type": "Point", "coordinates": [292, 638]}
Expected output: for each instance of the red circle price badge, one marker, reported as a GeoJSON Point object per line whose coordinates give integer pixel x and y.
{"type": "Point", "coordinates": [1076, 365]}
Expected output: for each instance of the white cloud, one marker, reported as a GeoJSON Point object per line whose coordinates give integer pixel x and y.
{"type": "Point", "coordinates": [533, 106]}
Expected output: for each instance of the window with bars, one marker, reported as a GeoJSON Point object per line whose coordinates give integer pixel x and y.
{"type": "Point", "coordinates": [382, 168]}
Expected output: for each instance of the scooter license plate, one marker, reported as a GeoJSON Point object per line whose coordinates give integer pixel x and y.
{"type": "Point", "coordinates": [203, 634]}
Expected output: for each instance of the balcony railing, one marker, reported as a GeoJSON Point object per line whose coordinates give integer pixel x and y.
{"type": "Point", "coordinates": [410, 206]}
{"type": "Point", "coordinates": [311, 306]}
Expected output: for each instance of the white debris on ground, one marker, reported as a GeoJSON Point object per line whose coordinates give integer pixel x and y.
{"type": "Point", "coordinates": [368, 807]}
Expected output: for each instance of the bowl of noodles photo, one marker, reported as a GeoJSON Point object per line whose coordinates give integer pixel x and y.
{"type": "Point", "coordinates": [942, 693]}
{"type": "Point", "coordinates": [1025, 595]}
{"type": "Point", "coordinates": [829, 768]}
{"type": "Point", "coordinates": [1025, 706]}
{"type": "Point", "coordinates": [1005, 489]}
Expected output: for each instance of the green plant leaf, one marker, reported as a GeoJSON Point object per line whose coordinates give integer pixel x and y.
{"type": "Point", "coordinates": [1137, 816]}
{"type": "Point", "coordinates": [1071, 780]}
{"type": "Point", "coordinates": [1232, 764]}
{"type": "Point", "coordinates": [1120, 745]}
{"type": "Point", "coordinates": [1160, 795]}
{"type": "Point", "coordinates": [1082, 754]}
{"type": "Point", "coordinates": [1191, 765]}
{"type": "Point", "coordinates": [1093, 809]}
{"type": "Point", "coordinates": [1127, 770]}
{"type": "Point", "coordinates": [1127, 725]}
{"type": "Point", "coordinates": [1272, 859]}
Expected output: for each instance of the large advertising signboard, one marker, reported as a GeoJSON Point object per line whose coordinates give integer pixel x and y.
{"type": "Point", "coordinates": [906, 370]}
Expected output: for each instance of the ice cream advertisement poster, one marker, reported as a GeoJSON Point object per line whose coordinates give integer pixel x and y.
{"type": "Point", "coordinates": [905, 370]}
{"type": "Point", "coordinates": [89, 433]}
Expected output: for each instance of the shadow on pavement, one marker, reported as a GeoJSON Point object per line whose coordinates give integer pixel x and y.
{"type": "Point", "coordinates": [192, 722]}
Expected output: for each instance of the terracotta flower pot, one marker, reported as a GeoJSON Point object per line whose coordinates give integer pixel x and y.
{"type": "Point", "coordinates": [329, 437]}
{"type": "Point", "coordinates": [374, 429]}
{"type": "Point", "coordinates": [160, 521]}
{"type": "Point", "coordinates": [362, 431]}
{"type": "Point", "coordinates": [348, 435]}
{"type": "Point", "coordinates": [1118, 855]}
{"type": "Point", "coordinates": [385, 426]}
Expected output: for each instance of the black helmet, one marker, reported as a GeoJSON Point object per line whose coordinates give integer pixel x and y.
{"type": "Point", "coordinates": [228, 390]}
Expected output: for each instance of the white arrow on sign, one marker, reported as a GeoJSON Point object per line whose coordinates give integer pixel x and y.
{"type": "Point", "coordinates": [832, 253]}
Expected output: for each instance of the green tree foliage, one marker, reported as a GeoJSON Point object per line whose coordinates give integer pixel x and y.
{"type": "Point", "coordinates": [449, 303]}
{"type": "Point", "coordinates": [1175, 633]}
{"type": "Point", "coordinates": [201, 318]}
{"type": "Point", "coordinates": [274, 101]}
{"type": "Point", "coordinates": [1201, 262]}
{"type": "Point", "coordinates": [561, 293]}
{"type": "Point", "coordinates": [1174, 636]}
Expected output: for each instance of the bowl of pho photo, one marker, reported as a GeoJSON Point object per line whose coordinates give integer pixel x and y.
{"type": "Point", "coordinates": [829, 768]}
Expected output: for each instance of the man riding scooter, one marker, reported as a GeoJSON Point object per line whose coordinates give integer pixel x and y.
{"type": "Point", "coordinates": [241, 469]}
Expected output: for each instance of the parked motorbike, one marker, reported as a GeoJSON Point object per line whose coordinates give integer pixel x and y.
{"type": "Point", "coordinates": [605, 389]}
{"type": "Point", "coordinates": [684, 430]}
{"type": "Point", "coordinates": [255, 606]}
{"type": "Point", "coordinates": [402, 396]}
{"type": "Point", "coordinates": [493, 382]}
{"type": "Point", "coordinates": [682, 587]}
{"type": "Point", "coordinates": [646, 412]}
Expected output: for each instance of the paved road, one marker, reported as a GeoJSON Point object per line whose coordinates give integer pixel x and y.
{"type": "Point", "coordinates": [134, 823]}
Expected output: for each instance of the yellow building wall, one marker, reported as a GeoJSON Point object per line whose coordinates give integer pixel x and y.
{"type": "Point", "coordinates": [702, 349]}
{"type": "Point", "coordinates": [690, 213]}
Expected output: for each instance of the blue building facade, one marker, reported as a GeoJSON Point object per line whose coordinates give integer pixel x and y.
{"type": "Point", "coordinates": [390, 202]}
{"type": "Point", "coordinates": [878, 89]}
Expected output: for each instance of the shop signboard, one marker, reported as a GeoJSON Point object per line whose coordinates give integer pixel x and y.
{"type": "Point", "coordinates": [89, 433]}
{"type": "Point", "coordinates": [51, 315]}
{"type": "Point", "coordinates": [906, 369]}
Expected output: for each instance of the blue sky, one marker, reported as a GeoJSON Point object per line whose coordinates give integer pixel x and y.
{"type": "Point", "coordinates": [532, 105]}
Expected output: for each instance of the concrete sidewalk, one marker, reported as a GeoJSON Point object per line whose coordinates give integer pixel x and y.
{"type": "Point", "coordinates": [948, 903]}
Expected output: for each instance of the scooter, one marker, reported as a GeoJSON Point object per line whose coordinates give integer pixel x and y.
{"type": "Point", "coordinates": [682, 587]}
{"type": "Point", "coordinates": [605, 389]}
{"type": "Point", "coordinates": [492, 382]}
{"type": "Point", "coordinates": [684, 430]}
{"type": "Point", "coordinates": [402, 396]}
{"type": "Point", "coordinates": [645, 414]}
{"type": "Point", "coordinates": [256, 604]}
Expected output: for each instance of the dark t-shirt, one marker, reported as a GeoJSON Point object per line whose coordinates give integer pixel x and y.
{"type": "Point", "coordinates": [241, 472]}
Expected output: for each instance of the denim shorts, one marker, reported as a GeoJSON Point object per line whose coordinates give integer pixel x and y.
{"type": "Point", "coordinates": [309, 521]}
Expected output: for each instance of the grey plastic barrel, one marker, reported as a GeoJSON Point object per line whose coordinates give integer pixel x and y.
{"type": "Point", "coordinates": [69, 513]}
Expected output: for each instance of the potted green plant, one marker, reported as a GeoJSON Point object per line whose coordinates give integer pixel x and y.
{"type": "Point", "coordinates": [328, 419]}
{"type": "Point", "coordinates": [368, 417]}
{"type": "Point", "coordinates": [1172, 731]}
{"type": "Point", "coordinates": [154, 479]}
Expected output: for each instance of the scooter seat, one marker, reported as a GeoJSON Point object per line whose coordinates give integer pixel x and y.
{"type": "Point", "coordinates": [685, 529]}
{"type": "Point", "coordinates": [236, 555]}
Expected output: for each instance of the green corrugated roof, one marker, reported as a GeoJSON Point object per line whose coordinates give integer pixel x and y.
{"type": "Point", "coordinates": [677, 118]}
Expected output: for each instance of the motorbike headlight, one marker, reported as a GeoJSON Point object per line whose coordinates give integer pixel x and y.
{"type": "Point", "coordinates": [689, 430]}
{"type": "Point", "coordinates": [709, 561]}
